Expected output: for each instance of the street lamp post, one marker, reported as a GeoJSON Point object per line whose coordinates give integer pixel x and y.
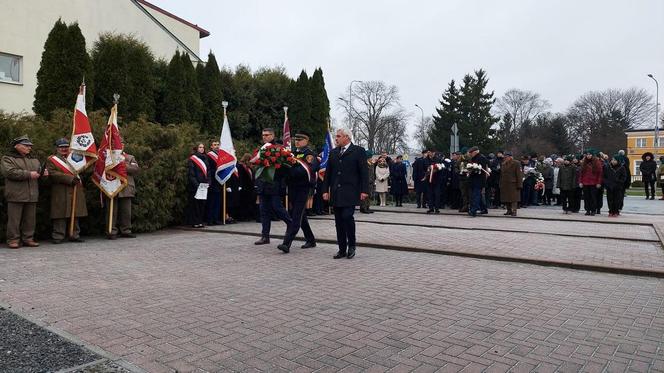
{"type": "Point", "coordinates": [656, 143]}
{"type": "Point", "coordinates": [418, 106]}
{"type": "Point", "coordinates": [350, 109]}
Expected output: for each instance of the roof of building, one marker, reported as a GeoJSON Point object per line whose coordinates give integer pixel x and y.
{"type": "Point", "coordinates": [644, 130]}
{"type": "Point", "coordinates": [202, 32]}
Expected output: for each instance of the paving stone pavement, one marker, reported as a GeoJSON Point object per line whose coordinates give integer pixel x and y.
{"type": "Point", "coordinates": [187, 301]}
{"type": "Point", "coordinates": [605, 252]}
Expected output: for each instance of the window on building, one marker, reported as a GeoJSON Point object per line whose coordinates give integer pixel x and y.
{"type": "Point", "coordinates": [637, 171]}
{"type": "Point", "coordinates": [10, 68]}
{"type": "Point", "coordinates": [640, 143]}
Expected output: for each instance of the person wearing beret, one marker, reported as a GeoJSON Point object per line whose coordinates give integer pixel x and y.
{"type": "Point", "coordinates": [22, 172]}
{"type": "Point", "coordinates": [63, 181]}
{"type": "Point", "coordinates": [301, 179]}
{"type": "Point", "coordinates": [348, 182]}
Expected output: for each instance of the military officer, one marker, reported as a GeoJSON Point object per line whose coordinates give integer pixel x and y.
{"type": "Point", "coordinates": [63, 181]}
{"type": "Point", "coordinates": [301, 180]}
{"type": "Point", "coordinates": [21, 172]}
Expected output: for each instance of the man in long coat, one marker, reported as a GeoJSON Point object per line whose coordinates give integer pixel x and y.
{"type": "Point", "coordinates": [21, 172]}
{"type": "Point", "coordinates": [122, 203]}
{"type": "Point", "coordinates": [63, 181]}
{"type": "Point", "coordinates": [346, 178]}
{"type": "Point", "coordinates": [511, 182]}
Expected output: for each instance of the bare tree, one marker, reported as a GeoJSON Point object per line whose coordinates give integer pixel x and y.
{"type": "Point", "coordinates": [393, 138]}
{"type": "Point", "coordinates": [422, 131]}
{"type": "Point", "coordinates": [372, 103]}
{"type": "Point", "coordinates": [613, 109]}
{"type": "Point", "coordinates": [522, 106]}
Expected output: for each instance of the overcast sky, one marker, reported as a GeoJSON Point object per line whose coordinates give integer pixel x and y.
{"type": "Point", "coordinates": [560, 49]}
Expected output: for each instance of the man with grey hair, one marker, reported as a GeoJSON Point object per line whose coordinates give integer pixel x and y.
{"type": "Point", "coordinates": [347, 180]}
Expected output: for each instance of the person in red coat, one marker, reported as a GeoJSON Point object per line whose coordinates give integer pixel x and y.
{"type": "Point", "coordinates": [590, 179]}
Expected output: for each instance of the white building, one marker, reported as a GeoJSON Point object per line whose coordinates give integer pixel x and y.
{"type": "Point", "coordinates": [26, 25]}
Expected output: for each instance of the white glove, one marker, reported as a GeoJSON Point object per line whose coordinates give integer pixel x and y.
{"type": "Point", "coordinates": [229, 190]}
{"type": "Point", "coordinates": [239, 188]}
{"type": "Point", "coordinates": [440, 166]}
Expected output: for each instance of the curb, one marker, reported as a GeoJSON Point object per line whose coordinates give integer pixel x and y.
{"type": "Point", "coordinates": [498, 230]}
{"type": "Point", "coordinates": [500, 258]}
{"type": "Point", "coordinates": [106, 356]}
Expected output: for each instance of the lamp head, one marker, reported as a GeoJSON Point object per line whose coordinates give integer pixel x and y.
{"type": "Point", "coordinates": [650, 75]}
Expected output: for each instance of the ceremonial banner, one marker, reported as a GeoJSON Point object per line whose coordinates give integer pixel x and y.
{"type": "Point", "coordinates": [110, 170]}
{"type": "Point", "coordinates": [226, 159]}
{"type": "Point", "coordinates": [327, 148]}
{"type": "Point", "coordinates": [286, 138]}
{"type": "Point", "coordinates": [83, 151]}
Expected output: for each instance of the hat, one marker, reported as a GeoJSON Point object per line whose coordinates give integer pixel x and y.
{"type": "Point", "coordinates": [508, 153]}
{"type": "Point", "coordinates": [23, 140]}
{"type": "Point", "coordinates": [473, 149]}
{"type": "Point", "coordinates": [62, 143]}
{"type": "Point", "coordinates": [647, 154]}
{"type": "Point", "coordinates": [301, 135]}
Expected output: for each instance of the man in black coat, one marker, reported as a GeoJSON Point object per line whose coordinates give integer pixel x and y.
{"type": "Point", "coordinates": [348, 181]}
{"type": "Point", "coordinates": [477, 183]}
{"type": "Point", "coordinates": [418, 174]}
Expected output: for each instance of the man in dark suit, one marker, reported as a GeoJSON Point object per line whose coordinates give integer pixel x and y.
{"type": "Point", "coordinates": [348, 182]}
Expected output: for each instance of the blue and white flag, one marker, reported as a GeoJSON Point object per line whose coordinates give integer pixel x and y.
{"type": "Point", "coordinates": [327, 148]}
{"type": "Point", "coordinates": [226, 159]}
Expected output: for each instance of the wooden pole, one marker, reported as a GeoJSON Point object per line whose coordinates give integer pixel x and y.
{"type": "Point", "coordinates": [110, 216]}
{"type": "Point", "coordinates": [73, 212]}
{"type": "Point", "coordinates": [223, 210]}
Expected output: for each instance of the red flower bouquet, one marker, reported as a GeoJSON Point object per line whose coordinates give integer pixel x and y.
{"type": "Point", "coordinates": [271, 158]}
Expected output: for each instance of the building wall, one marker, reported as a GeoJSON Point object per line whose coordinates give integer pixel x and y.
{"type": "Point", "coordinates": [635, 152]}
{"type": "Point", "coordinates": [25, 31]}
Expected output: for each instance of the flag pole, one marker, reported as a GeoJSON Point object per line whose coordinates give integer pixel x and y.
{"type": "Point", "coordinates": [223, 186]}
{"type": "Point", "coordinates": [73, 195]}
{"type": "Point", "coordinates": [110, 216]}
{"type": "Point", "coordinates": [289, 146]}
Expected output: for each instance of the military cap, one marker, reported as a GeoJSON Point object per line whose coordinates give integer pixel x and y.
{"type": "Point", "coordinates": [23, 140]}
{"type": "Point", "coordinates": [61, 143]}
{"type": "Point", "coordinates": [301, 135]}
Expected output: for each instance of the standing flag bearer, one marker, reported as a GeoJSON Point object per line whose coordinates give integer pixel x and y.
{"type": "Point", "coordinates": [82, 148]}
{"type": "Point", "coordinates": [226, 159]}
{"type": "Point", "coordinates": [110, 173]}
{"type": "Point", "coordinates": [286, 139]}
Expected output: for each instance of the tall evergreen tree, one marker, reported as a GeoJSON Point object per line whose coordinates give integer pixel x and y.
{"type": "Point", "coordinates": [271, 86]}
{"type": "Point", "coordinates": [192, 93]}
{"type": "Point", "coordinates": [174, 109]}
{"type": "Point", "coordinates": [124, 65]}
{"type": "Point", "coordinates": [446, 115]}
{"type": "Point", "coordinates": [209, 78]}
{"type": "Point", "coordinates": [239, 88]}
{"type": "Point", "coordinates": [320, 108]}
{"type": "Point", "coordinates": [64, 64]}
{"type": "Point", "coordinates": [299, 104]}
{"type": "Point", "coordinates": [476, 121]}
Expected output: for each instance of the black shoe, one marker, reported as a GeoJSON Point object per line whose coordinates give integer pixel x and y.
{"type": "Point", "coordinates": [436, 212]}
{"type": "Point", "coordinates": [111, 236]}
{"type": "Point", "coordinates": [429, 211]}
{"type": "Point", "coordinates": [56, 242]}
{"type": "Point", "coordinates": [592, 214]}
{"type": "Point", "coordinates": [508, 213]}
{"type": "Point", "coordinates": [369, 212]}
{"type": "Point", "coordinates": [128, 235]}
{"type": "Point", "coordinates": [351, 252]}
{"type": "Point", "coordinates": [364, 211]}
{"type": "Point", "coordinates": [284, 248]}
{"type": "Point", "coordinates": [77, 239]}
{"type": "Point", "coordinates": [339, 255]}
{"type": "Point", "coordinates": [484, 212]}
{"type": "Point", "coordinates": [419, 206]}
{"type": "Point", "coordinates": [308, 245]}
{"type": "Point", "coordinates": [262, 241]}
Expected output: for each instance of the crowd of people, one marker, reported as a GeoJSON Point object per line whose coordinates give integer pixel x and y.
{"type": "Point", "coordinates": [23, 174]}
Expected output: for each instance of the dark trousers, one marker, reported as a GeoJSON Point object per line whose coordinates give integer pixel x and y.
{"type": "Point", "coordinates": [433, 196]}
{"type": "Point", "coordinates": [614, 198]}
{"type": "Point", "coordinates": [527, 194]}
{"type": "Point", "coordinates": [195, 210]}
{"type": "Point", "coordinates": [297, 199]}
{"type": "Point", "coordinates": [599, 202]}
{"type": "Point", "coordinates": [421, 194]}
{"type": "Point", "coordinates": [649, 185]}
{"type": "Point", "coordinates": [269, 205]}
{"type": "Point", "coordinates": [21, 217]}
{"type": "Point", "coordinates": [213, 206]}
{"type": "Point", "coordinates": [590, 198]}
{"type": "Point", "coordinates": [576, 199]}
{"type": "Point", "coordinates": [345, 224]}
{"type": "Point", "coordinates": [566, 199]}
{"type": "Point", "coordinates": [454, 199]}
{"type": "Point", "coordinates": [548, 193]}
{"type": "Point", "coordinates": [121, 215]}
{"type": "Point", "coordinates": [476, 200]}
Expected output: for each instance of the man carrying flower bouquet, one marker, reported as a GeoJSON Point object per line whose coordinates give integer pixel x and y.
{"type": "Point", "coordinates": [301, 180]}
{"type": "Point", "coordinates": [270, 185]}
{"type": "Point", "coordinates": [477, 171]}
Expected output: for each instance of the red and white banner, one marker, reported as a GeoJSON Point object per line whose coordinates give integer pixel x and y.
{"type": "Point", "coordinates": [83, 151]}
{"type": "Point", "coordinates": [286, 138]}
{"type": "Point", "coordinates": [110, 170]}
{"type": "Point", "coordinates": [61, 165]}
{"type": "Point", "coordinates": [199, 163]}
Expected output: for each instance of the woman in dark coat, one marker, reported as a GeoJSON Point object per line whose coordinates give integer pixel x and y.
{"type": "Point", "coordinates": [648, 168]}
{"type": "Point", "coordinates": [614, 176]}
{"type": "Point", "coordinates": [398, 184]}
{"type": "Point", "coordinates": [247, 206]}
{"type": "Point", "coordinates": [197, 173]}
